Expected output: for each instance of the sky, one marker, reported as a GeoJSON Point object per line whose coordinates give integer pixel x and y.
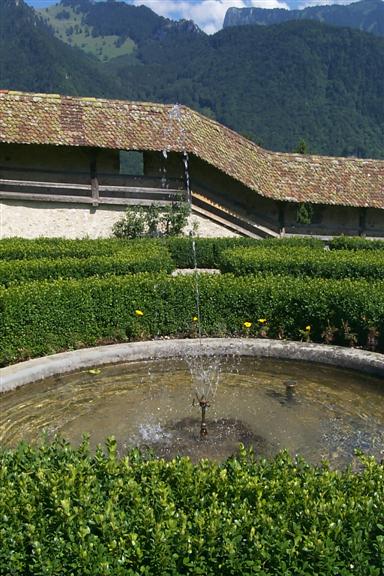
{"type": "Point", "coordinates": [207, 14]}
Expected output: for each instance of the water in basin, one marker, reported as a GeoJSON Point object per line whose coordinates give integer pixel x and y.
{"type": "Point", "coordinates": [327, 414]}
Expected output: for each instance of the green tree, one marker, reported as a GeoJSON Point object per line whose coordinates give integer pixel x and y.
{"type": "Point", "coordinates": [301, 148]}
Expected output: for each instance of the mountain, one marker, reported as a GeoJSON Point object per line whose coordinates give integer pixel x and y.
{"type": "Point", "coordinates": [111, 29]}
{"type": "Point", "coordinates": [33, 59]}
{"type": "Point", "coordinates": [367, 15]}
{"type": "Point", "coordinates": [276, 84]}
{"type": "Point", "coordinates": [283, 83]}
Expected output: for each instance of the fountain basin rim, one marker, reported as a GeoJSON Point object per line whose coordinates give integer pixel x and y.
{"type": "Point", "coordinates": [30, 371]}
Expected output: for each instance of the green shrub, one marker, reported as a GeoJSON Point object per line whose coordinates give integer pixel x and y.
{"type": "Point", "coordinates": [65, 511]}
{"type": "Point", "coordinates": [304, 262]}
{"type": "Point", "coordinates": [132, 224]}
{"type": "Point", "coordinates": [304, 213]}
{"type": "Point", "coordinates": [292, 242]}
{"type": "Point", "coordinates": [22, 248]}
{"type": "Point", "coordinates": [152, 221]}
{"type": "Point", "coordinates": [153, 258]}
{"type": "Point", "coordinates": [209, 250]}
{"type": "Point", "coordinates": [49, 316]}
{"type": "Point", "coordinates": [355, 243]}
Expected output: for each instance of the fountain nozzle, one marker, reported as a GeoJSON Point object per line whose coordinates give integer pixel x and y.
{"type": "Point", "coordinates": [290, 388]}
{"type": "Point", "coordinates": [204, 404]}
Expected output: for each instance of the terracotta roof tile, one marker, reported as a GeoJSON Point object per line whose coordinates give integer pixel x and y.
{"type": "Point", "coordinates": [63, 120]}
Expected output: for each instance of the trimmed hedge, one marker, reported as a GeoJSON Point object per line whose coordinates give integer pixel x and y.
{"type": "Point", "coordinates": [151, 258]}
{"type": "Point", "coordinates": [304, 262]}
{"type": "Point", "coordinates": [25, 249]}
{"type": "Point", "coordinates": [209, 250]}
{"type": "Point", "coordinates": [355, 243]}
{"type": "Point", "coordinates": [46, 317]}
{"type": "Point", "coordinates": [64, 511]}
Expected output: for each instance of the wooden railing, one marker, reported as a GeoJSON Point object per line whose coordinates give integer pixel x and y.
{"type": "Point", "coordinates": [35, 185]}
{"type": "Point", "coordinates": [80, 188]}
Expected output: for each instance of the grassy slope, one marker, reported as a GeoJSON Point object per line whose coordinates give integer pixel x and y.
{"type": "Point", "coordinates": [33, 59]}
{"type": "Point", "coordinates": [72, 30]}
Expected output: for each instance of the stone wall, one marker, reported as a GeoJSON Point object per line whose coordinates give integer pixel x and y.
{"type": "Point", "coordinates": [34, 219]}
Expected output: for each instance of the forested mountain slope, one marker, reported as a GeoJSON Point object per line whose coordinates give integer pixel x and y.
{"type": "Point", "coordinates": [367, 15]}
{"type": "Point", "coordinates": [32, 59]}
{"type": "Point", "coordinates": [276, 84]}
{"type": "Point", "coordinates": [280, 84]}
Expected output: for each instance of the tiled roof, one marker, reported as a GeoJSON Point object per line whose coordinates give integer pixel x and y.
{"type": "Point", "coordinates": [62, 120]}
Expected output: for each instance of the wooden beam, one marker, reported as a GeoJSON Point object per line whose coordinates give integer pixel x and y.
{"type": "Point", "coordinates": [133, 202]}
{"type": "Point", "coordinates": [94, 189]}
{"type": "Point", "coordinates": [48, 185]}
{"type": "Point", "coordinates": [32, 197]}
{"type": "Point", "coordinates": [140, 190]}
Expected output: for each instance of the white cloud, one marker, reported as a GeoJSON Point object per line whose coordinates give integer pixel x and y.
{"type": "Point", "coordinates": [207, 14]}
{"type": "Point", "coordinates": [306, 3]}
{"type": "Point", "coordinates": [268, 4]}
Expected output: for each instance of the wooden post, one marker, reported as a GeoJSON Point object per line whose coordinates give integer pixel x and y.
{"type": "Point", "coordinates": [95, 191]}
{"type": "Point", "coordinates": [281, 216]}
{"type": "Point", "coordinates": [94, 180]}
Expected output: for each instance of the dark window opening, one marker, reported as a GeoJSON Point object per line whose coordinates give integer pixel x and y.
{"type": "Point", "coordinates": [131, 163]}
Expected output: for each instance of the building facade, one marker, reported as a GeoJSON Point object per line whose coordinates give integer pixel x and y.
{"type": "Point", "coordinates": [87, 159]}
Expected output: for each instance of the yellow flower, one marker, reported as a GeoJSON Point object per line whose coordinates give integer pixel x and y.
{"type": "Point", "coordinates": [308, 328]}
{"type": "Point", "coordinates": [262, 320]}
{"type": "Point", "coordinates": [247, 324]}
{"type": "Point", "coordinates": [139, 313]}
{"type": "Point", "coordinates": [195, 319]}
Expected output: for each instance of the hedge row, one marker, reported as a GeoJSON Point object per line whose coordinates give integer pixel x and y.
{"type": "Point", "coordinates": [23, 248]}
{"type": "Point", "coordinates": [64, 511]}
{"type": "Point", "coordinates": [304, 262]}
{"type": "Point", "coordinates": [246, 256]}
{"type": "Point", "coordinates": [153, 258]}
{"type": "Point", "coordinates": [45, 317]}
{"type": "Point", "coordinates": [355, 243]}
{"type": "Point", "coordinates": [208, 249]}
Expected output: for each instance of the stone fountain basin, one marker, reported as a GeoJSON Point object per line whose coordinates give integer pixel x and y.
{"type": "Point", "coordinates": [271, 395]}
{"type": "Point", "coordinates": [23, 373]}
